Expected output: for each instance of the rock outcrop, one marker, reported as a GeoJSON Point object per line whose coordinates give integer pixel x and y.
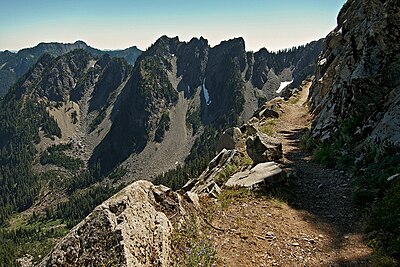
{"type": "Point", "coordinates": [262, 148]}
{"type": "Point", "coordinates": [206, 182]}
{"type": "Point", "coordinates": [129, 229]}
{"type": "Point", "coordinates": [358, 74]}
{"type": "Point", "coordinates": [230, 139]}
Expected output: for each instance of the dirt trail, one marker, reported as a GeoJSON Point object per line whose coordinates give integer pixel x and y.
{"type": "Point", "coordinates": [316, 225]}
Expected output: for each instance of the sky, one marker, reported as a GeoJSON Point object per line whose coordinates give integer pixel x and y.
{"type": "Point", "coordinates": [117, 24]}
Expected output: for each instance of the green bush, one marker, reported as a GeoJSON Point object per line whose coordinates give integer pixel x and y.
{"type": "Point", "coordinates": [326, 154]}
{"type": "Point", "coordinates": [163, 126]}
{"type": "Point", "coordinates": [224, 175]}
{"type": "Point", "coordinates": [193, 119]}
{"type": "Point", "coordinates": [201, 254]}
{"type": "Point", "coordinates": [309, 143]}
{"type": "Point", "coordinates": [385, 223]}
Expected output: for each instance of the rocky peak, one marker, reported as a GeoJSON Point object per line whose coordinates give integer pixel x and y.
{"type": "Point", "coordinates": [191, 63]}
{"type": "Point", "coordinates": [62, 76]}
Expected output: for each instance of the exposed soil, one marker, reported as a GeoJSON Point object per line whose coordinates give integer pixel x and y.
{"type": "Point", "coordinates": [316, 224]}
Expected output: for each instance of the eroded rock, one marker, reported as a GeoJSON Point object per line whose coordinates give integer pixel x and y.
{"type": "Point", "coordinates": [357, 78]}
{"type": "Point", "coordinates": [262, 148]}
{"type": "Point", "coordinates": [129, 229]}
{"type": "Point", "coordinates": [206, 182]}
{"type": "Point", "coordinates": [230, 139]}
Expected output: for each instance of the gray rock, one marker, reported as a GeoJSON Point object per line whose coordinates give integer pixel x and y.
{"type": "Point", "coordinates": [249, 129]}
{"type": "Point", "coordinates": [268, 113]}
{"type": "Point", "coordinates": [230, 139]}
{"type": "Point", "coordinates": [358, 74]}
{"type": "Point", "coordinates": [262, 148]}
{"type": "Point", "coordinates": [254, 120]}
{"type": "Point", "coordinates": [126, 230]}
{"type": "Point", "coordinates": [263, 173]}
{"type": "Point", "coordinates": [205, 183]}
{"type": "Point", "coordinates": [393, 177]}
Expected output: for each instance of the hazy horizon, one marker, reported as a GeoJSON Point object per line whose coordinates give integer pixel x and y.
{"type": "Point", "coordinates": [122, 24]}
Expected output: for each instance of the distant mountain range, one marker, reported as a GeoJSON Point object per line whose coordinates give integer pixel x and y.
{"type": "Point", "coordinates": [14, 64]}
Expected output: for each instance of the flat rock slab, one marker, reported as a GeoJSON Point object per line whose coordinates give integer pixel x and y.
{"type": "Point", "coordinates": [267, 172]}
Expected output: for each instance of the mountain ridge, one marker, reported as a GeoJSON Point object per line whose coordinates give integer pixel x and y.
{"type": "Point", "coordinates": [14, 65]}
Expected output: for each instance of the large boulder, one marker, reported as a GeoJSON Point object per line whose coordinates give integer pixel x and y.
{"type": "Point", "coordinates": [262, 148]}
{"type": "Point", "coordinates": [267, 173]}
{"type": "Point", "coordinates": [230, 139]}
{"type": "Point", "coordinates": [268, 113]}
{"type": "Point", "coordinates": [129, 229]}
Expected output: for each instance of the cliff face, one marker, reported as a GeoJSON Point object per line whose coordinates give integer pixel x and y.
{"type": "Point", "coordinates": [358, 74]}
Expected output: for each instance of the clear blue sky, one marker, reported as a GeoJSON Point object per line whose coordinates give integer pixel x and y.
{"type": "Point", "coordinates": [113, 24]}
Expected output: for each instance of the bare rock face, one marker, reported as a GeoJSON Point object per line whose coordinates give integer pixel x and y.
{"type": "Point", "coordinates": [129, 229]}
{"type": "Point", "coordinates": [358, 73]}
{"type": "Point", "coordinates": [262, 148]}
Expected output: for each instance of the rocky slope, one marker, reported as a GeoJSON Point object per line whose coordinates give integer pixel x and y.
{"type": "Point", "coordinates": [14, 65]}
{"type": "Point", "coordinates": [213, 223]}
{"type": "Point", "coordinates": [357, 78]}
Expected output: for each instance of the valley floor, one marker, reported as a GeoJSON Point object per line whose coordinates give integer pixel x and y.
{"type": "Point", "coordinates": [315, 223]}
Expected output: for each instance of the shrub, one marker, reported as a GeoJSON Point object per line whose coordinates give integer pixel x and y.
{"type": "Point", "coordinates": [308, 143]}
{"type": "Point", "coordinates": [326, 154]}
{"type": "Point", "coordinates": [268, 127]}
{"type": "Point", "coordinates": [224, 175]}
{"type": "Point", "coordinates": [386, 223]}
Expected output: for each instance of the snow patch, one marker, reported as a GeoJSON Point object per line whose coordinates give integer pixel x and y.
{"type": "Point", "coordinates": [283, 86]}
{"type": "Point", "coordinates": [205, 93]}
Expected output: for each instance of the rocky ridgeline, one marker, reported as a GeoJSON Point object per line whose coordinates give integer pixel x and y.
{"type": "Point", "coordinates": [133, 228]}
{"type": "Point", "coordinates": [358, 73]}
{"type": "Point", "coordinates": [15, 65]}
